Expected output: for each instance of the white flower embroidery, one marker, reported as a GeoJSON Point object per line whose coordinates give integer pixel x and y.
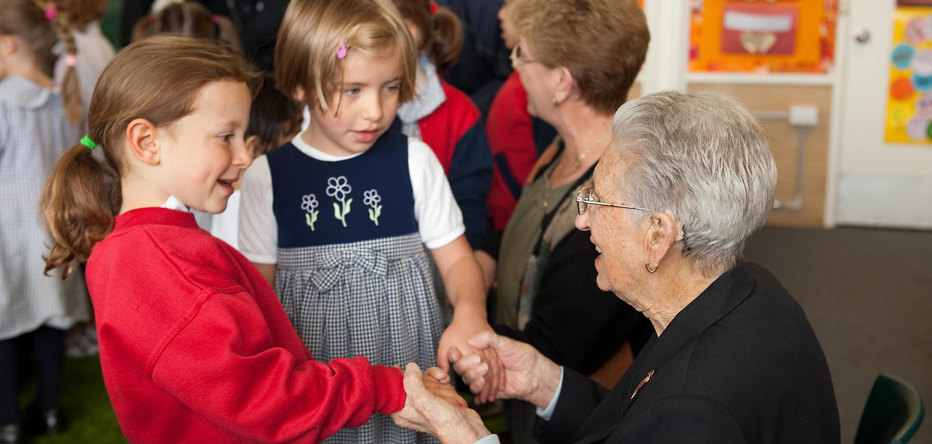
{"type": "Point", "coordinates": [371, 198]}
{"type": "Point", "coordinates": [338, 188]}
{"type": "Point", "coordinates": [309, 204]}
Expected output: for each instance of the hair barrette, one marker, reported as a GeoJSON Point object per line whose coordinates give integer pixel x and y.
{"type": "Point", "coordinates": [86, 141]}
{"type": "Point", "coordinates": [50, 11]}
{"type": "Point", "coordinates": [71, 60]}
{"type": "Point", "coordinates": [433, 8]}
{"type": "Point", "coordinates": [214, 19]}
{"type": "Point", "coordinates": [341, 52]}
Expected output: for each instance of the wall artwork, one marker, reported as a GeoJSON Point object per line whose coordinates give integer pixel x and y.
{"type": "Point", "coordinates": [909, 96]}
{"type": "Point", "coordinates": [762, 36]}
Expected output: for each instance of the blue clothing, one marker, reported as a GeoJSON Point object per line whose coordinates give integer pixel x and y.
{"type": "Point", "coordinates": [306, 189]}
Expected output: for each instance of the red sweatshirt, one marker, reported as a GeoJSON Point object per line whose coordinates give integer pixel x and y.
{"type": "Point", "coordinates": [196, 348]}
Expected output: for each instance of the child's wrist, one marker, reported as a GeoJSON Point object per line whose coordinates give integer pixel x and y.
{"type": "Point", "coordinates": [470, 310]}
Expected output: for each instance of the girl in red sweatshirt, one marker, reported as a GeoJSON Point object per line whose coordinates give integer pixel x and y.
{"type": "Point", "coordinates": [194, 345]}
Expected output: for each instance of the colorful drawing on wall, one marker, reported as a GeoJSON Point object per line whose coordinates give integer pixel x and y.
{"type": "Point", "coordinates": [757, 36]}
{"type": "Point", "coordinates": [909, 96]}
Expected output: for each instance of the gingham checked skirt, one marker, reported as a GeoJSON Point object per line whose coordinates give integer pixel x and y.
{"type": "Point", "coordinates": [371, 298]}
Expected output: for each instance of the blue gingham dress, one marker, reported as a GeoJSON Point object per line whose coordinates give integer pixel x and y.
{"type": "Point", "coordinates": [354, 286]}
{"type": "Point", "coordinates": [34, 133]}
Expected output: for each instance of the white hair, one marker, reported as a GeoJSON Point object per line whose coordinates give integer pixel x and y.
{"type": "Point", "coordinates": [704, 159]}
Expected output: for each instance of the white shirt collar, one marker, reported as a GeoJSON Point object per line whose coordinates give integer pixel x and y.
{"type": "Point", "coordinates": [315, 153]}
{"type": "Point", "coordinates": [174, 204]}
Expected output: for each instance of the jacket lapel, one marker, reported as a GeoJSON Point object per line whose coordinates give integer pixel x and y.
{"type": "Point", "coordinates": [726, 293]}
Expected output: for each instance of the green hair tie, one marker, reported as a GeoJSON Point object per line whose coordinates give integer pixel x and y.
{"type": "Point", "coordinates": [86, 141]}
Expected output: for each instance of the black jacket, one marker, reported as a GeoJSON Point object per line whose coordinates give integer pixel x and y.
{"type": "Point", "coordinates": [740, 364]}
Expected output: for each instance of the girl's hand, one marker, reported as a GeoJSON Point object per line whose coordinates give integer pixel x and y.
{"type": "Point", "coordinates": [424, 411]}
{"type": "Point", "coordinates": [453, 347]}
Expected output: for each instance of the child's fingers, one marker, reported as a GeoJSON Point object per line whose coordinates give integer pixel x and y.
{"type": "Point", "coordinates": [438, 374]}
{"type": "Point", "coordinates": [443, 360]}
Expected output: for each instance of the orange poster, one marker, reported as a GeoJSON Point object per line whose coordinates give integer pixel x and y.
{"type": "Point", "coordinates": [786, 36]}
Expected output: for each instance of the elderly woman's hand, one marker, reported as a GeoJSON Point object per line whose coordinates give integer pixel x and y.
{"type": "Point", "coordinates": [427, 412]}
{"type": "Point", "coordinates": [528, 375]}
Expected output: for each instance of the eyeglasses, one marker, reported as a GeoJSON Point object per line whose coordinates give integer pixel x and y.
{"type": "Point", "coordinates": [518, 58]}
{"type": "Point", "coordinates": [585, 197]}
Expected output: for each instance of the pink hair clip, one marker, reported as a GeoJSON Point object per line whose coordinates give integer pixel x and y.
{"type": "Point", "coordinates": [433, 8]}
{"type": "Point", "coordinates": [341, 52]}
{"type": "Point", "coordinates": [71, 60]}
{"type": "Point", "coordinates": [50, 11]}
{"type": "Point", "coordinates": [214, 19]}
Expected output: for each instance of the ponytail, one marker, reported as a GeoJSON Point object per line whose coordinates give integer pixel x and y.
{"type": "Point", "coordinates": [70, 89]}
{"type": "Point", "coordinates": [156, 79]}
{"type": "Point", "coordinates": [79, 202]}
{"type": "Point", "coordinates": [448, 39]}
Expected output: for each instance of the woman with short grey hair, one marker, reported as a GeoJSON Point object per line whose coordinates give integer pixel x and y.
{"type": "Point", "coordinates": [687, 179]}
{"type": "Point", "coordinates": [704, 159]}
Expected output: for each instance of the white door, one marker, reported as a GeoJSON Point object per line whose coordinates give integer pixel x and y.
{"type": "Point", "coordinates": [878, 183]}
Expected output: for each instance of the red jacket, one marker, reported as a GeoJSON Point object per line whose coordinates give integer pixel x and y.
{"type": "Point", "coordinates": [196, 348]}
{"type": "Point", "coordinates": [516, 140]}
{"type": "Point", "coordinates": [454, 132]}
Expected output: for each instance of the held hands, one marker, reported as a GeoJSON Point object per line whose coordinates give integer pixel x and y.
{"type": "Point", "coordinates": [425, 411]}
{"type": "Point", "coordinates": [454, 346]}
{"type": "Point", "coordinates": [437, 382]}
{"type": "Point", "coordinates": [526, 375]}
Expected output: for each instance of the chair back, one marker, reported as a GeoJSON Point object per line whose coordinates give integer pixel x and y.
{"type": "Point", "coordinates": [892, 414]}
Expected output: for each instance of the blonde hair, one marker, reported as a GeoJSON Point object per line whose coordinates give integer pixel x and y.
{"type": "Point", "coordinates": [601, 42]}
{"type": "Point", "coordinates": [306, 50]}
{"type": "Point", "coordinates": [157, 79]}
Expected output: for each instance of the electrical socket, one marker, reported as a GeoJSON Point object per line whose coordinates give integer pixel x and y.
{"type": "Point", "coordinates": [804, 116]}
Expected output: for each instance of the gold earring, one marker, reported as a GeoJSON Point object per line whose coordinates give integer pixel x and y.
{"type": "Point", "coordinates": [650, 270]}
{"type": "Point", "coordinates": [555, 101]}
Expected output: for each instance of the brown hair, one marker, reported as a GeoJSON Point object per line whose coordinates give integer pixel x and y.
{"type": "Point", "coordinates": [81, 12]}
{"type": "Point", "coordinates": [189, 19]}
{"type": "Point", "coordinates": [25, 19]}
{"type": "Point", "coordinates": [602, 42]}
{"type": "Point", "coordinates": [440, 30]}
{"type": "Point", "coordinates": [306, 50]}
{"type": "Point", "coordinates": [272, 116]}
{"type": "Point", "coordinates": [157, 79]}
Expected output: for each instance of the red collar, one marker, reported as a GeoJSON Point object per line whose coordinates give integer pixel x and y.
{"type": "Point", "coordinates": [157, 216]}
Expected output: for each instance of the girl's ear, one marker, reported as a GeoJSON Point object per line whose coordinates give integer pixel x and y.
{"type": "Point", "coordinates": [140, 135]}
{"type": "Point", "coordinates": [8, 45]}
{"type": "Point", "coordinates": [299, 95]}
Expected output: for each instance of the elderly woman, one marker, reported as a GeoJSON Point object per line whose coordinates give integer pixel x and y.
{"type": "Point", "coordinates": [733, 359]}
{"type": "Point", "coordinates": [577, 60]}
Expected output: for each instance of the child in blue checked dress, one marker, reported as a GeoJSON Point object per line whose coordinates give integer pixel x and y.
{"type": "Point", "coordinates": [338, 219]}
